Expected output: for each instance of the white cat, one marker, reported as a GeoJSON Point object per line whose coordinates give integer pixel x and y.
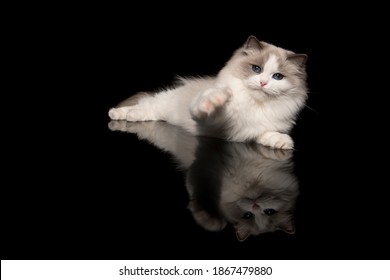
{"type": "Point", "coordinates": [256, 96]}
{"type": "Point", "coordinates": [249, 186]}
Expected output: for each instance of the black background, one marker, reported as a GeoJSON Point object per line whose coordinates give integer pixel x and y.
{"type": "Point", "coordinates": [77, 190]}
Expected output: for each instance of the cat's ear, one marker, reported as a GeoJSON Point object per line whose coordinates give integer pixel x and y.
{"type": "Point", "coordinates": [253, 43]}
{"type": "Point", "coordinates": [287, 226]}
{"type": "Point", "coordinates": [298, 59]}
{"type": "Point", "coordinates": [242, 234]}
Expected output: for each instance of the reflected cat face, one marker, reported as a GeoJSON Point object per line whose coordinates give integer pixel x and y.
{"type": "Point", "coordinates": [261, 209]}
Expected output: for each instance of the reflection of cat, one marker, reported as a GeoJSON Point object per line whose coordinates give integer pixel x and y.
{"type": "Point", "coordinates": [253, 185]}
{"type": "Point", "coordinates": [256, 96]}
{"type": "Point", "coordinates": [249, 186]}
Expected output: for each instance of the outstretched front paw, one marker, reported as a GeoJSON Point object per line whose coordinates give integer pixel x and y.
{"type": "Point", "coordinates": [208, 102]}
{"type": "Point", "coordinates": [276, 140]}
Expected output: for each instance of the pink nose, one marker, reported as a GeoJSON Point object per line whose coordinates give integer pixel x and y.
{"type": "Point", "coordinates": [263, 84]}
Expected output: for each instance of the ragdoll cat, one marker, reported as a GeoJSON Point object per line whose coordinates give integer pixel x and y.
{"type": "Point", "coordinates": [256, 96]}
{"type": "Point", "coordinates": [247, 185]}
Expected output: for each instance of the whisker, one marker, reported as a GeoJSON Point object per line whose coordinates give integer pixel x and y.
{"type": "Point", "coordinates": [313, 110]}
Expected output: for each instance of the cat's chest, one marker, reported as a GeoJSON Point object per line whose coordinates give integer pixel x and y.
{"type": "Point", "coordinates": [248, 119]}
{"type": "Point", "coordinates": [249, 113]}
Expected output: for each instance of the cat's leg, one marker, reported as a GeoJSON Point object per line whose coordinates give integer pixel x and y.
{"type": "Point", "coordinates": [276, 140]}
{"type": "Point", "coordinates": [208, 102]}
{"type": "Point", "coordinates": [138, 107]}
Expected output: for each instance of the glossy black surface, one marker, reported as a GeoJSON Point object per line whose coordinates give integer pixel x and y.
{"type": "Point", "coordinates": [78, 190]}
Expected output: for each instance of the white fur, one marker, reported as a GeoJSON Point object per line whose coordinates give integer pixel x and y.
{"type": "Point", "coordinates": [246, 110]}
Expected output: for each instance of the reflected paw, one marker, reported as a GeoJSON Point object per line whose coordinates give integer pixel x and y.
{"type": "Point", "coordinates": [117, 125]}
{"type": "Point", "coordinates": [275, 154]}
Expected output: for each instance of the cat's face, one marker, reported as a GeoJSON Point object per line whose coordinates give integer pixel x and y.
{"type": "Point", "coordinates": [261, 211]}
{"type": "Point", "coordinates": [268, 71]}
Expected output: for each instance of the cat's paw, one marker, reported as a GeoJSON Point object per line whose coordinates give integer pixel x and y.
{"type": "Point", "coordinates": [276, 140]}
{"type": "Point", "coordinates": [208, 102]}
{"type": "Point", "coordinates": [117, 113]}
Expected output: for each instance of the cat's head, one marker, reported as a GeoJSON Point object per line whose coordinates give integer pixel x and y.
{"type": "Point", "coordinates": [255, 212]}
{"type": "Point", "coordinates": [260, 212]}
{"type": "Point", "coordinates": [268, 71]}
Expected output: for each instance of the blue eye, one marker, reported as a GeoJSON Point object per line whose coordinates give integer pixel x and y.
{"type": "Point", "coordinates": [269, 211]}
{"type": "Point", "coordinates": [277, 76]}
{"type": "Point", "coordinates": [247, 215]}
{"type": "Point", "coordinates": [256, 68]}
